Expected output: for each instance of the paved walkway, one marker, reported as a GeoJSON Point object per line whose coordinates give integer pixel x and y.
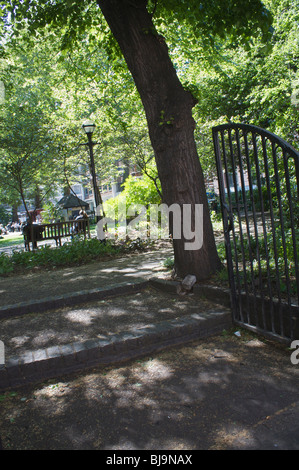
{"type": "Point", "coordinates": [20, 246]}
{"type": "Point", "coordinates": [38, 285]}
{"type": "Point", "coordinates": [121, 374]}
{"type": "Point", "coordinates": [69, 319]}
{"type": "Point", "coordinates": [221, 393]}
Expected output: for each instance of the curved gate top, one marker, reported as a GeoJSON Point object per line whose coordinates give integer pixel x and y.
{"type": "Point", "coordinates": [258, 176]}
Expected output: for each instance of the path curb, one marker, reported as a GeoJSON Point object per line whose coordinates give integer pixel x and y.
{"type": "Point", "coordinates": [55, 361]}
{"type": "Point", "coordinates": [37, 366]}
{"type": "Point", "coordinates": [214, 293]}
{"type": "Point", "coordinates": [69, 299]}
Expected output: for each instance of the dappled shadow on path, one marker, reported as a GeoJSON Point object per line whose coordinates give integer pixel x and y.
{"type": "Point", "coordinates": [32, 286]}
{"type": "Point", "coordinates": [223, 393]}
{"type": "Point", "coordinates": [97, 319]}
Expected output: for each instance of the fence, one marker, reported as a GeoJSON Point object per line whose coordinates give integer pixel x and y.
{"type": "Point", "coordinates": [258, 175]}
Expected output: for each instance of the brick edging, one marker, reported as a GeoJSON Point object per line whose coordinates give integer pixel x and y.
{"type": "Point", "coordinates": [55, 361]}
{"type": "Point", "coordinates": [214, 293]}
{"type": "Point", "coordinates": [60, 360]}
{"type": "Point", "coordinates": [72, 298]}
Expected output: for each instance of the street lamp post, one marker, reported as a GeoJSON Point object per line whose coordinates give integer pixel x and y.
{"type": "Point", "coordinates": [89, 128]}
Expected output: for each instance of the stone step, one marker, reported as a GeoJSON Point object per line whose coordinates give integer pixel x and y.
{"type": "Point", "coordinates": [118, 329]}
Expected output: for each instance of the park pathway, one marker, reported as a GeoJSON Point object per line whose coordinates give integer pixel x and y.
{"type": "Point", "coordinates": [217, 392]}
{"type": "Point", "coordinates": [37, 285]}
{"type": "Point", "coordinates": [65, 320]}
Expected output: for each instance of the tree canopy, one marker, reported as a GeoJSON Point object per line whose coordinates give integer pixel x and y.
{"type": "Point", "coordinates": [205, 19]}
{"type": "Point", "coordinates": [237, 60]}
{"type": "Point", "coordinates": [232, 76]}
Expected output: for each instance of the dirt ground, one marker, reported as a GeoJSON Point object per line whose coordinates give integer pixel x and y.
{"type": "Point", "coordinates": [98, 319]}
{"type": "Point", "coordinates": [40, 283]}
{"type": "Point", "coordinates": [222, 393]}
{"type": "Point", "coordinates": [225, 392]}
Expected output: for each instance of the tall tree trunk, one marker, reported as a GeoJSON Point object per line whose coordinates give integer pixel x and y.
{"type": "Point", "coordinates": [37, 198]}
{"type": "Point", "coordinates": [15, 217]}
{"type": "Point", "coordinates": [168, 107]}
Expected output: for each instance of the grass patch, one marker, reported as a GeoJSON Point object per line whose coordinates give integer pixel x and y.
{"type": "Point", "coordinates": [11, 239]}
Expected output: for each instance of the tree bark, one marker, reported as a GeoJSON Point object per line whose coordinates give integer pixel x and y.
{"type": "Point", "coordinates": [15, 217]}
{"type": "Point", "coordinates": [168, 107]}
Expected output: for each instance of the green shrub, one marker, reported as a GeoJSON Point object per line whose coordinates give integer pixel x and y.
{"type": "Point", "coordinates": [75, 252]}
{"type": "Point", "coordinates": [5, 264]}
{"type": "Point", "coordinates": [168, 263]}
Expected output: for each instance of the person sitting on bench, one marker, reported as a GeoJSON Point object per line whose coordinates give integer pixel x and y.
{"type": "Point", "coordinates": [81, 223]}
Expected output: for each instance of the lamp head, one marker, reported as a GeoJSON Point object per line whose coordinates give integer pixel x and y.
{"type": "Point", "coordinates": [88, 127]}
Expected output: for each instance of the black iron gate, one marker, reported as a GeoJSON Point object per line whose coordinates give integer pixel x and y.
{"type": "Point", "coordinates": [258, 176]}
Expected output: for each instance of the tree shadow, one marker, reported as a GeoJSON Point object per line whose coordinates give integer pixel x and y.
{"type": "Point", "coordinates": [97, 319]}
{"type": "Point", "coordinates": [222, 393]}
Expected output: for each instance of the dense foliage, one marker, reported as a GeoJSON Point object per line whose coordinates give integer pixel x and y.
{"type": "Point", "coordinates": [60, 64]}
{"type": "Point", "coordinates": [53, 82]}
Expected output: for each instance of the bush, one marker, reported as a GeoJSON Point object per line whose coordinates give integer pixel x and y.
{"type": "Point", "coordinates": [5, 264]}
{"type": "Point", "coordinates": [76, 252]}
{"type": "Point", "coordinates": [137, 191]}
{"type": "Point", "coordinates": [168, 263]}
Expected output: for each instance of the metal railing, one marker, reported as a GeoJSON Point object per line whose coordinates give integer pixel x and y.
{"type": "Point", "coordinates": [258, 175]}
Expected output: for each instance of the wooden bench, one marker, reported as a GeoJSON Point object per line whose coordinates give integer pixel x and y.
{"type": "Point", "coordinates": [56, 231]}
